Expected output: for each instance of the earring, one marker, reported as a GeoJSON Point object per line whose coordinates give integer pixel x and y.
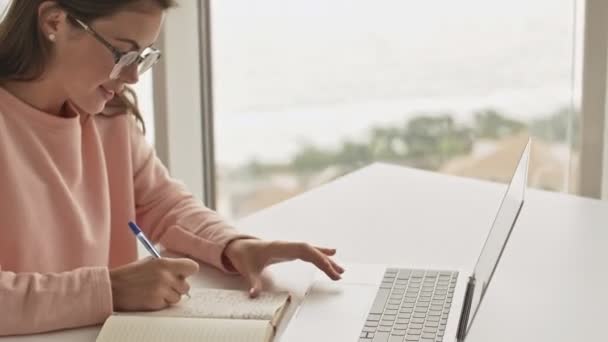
{"type": "Point", "coordinates": [52, 37]}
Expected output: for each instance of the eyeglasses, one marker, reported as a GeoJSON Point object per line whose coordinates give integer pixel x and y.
{"type": "Point", "coordinates": [145, 60]}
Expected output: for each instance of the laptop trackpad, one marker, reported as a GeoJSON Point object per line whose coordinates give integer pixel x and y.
{"type": "Point", "coordinates": [331, 312]}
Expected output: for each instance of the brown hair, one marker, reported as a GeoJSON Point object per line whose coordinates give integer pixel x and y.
{"type": "Point", "coordinates": [24, 51]}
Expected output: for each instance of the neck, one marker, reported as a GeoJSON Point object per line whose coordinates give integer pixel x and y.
{"type": "Point", "coordinates": [41, 94]}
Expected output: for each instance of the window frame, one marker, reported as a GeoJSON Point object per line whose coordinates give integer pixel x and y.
{"type": "Point", "coordinates": [191, 121]}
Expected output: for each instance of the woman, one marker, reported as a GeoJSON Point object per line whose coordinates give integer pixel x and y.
{"type": "Point", "coordinates": [76, 168]}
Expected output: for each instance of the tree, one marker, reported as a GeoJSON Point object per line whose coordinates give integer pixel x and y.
{"type": "Point", "coordinates": [431, 140]}
{"type": "Point", "coordinates": [353, 155]}
{"type": "Point", "coordinates": [555, 127]}
{"type": "Point", "coordinates": [490, 124]}
{"type": "Point", "coordinates": [386, 143]}
{"type": "Point", "coordinates": [311, 159]}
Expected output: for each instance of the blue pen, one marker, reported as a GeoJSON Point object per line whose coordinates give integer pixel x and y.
{"type": "Point", "coordinates": [144, 241]}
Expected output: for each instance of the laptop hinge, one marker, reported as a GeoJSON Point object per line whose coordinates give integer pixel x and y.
{"type": "Point", "coordinates": [466, 309]}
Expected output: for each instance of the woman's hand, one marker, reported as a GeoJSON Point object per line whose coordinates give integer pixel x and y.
{"type": "Point", "coordinates": [150, 283]}
{"type": "Point", "coordinates": [249, 257]}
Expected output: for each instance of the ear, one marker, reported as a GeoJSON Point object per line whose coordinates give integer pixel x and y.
{"type": "Point", "coordinates": [52, 20]}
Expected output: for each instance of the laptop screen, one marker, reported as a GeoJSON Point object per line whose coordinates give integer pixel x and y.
{"type": "Point", "coordinates": [499, 233]}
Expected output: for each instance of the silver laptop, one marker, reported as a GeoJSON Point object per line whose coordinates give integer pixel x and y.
{"type": "Point", "coordinates": [404, 304]}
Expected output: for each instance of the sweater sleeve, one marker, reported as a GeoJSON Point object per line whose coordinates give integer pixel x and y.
{"type": "Point", "coordinates": [36, 302]}
{"type": "Point", "coordinates": [171, 216]}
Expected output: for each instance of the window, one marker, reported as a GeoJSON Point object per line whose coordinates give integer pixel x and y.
{"type": "Point", "coordinates": [3, 7]}
{"type": "Point", "coordinates": [144, 91]}
{"type": "Point", "coordinates": [306, 91]}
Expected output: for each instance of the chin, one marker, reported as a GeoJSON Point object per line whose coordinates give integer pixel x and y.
{"type": "Point", "coordinates": [90, 106]}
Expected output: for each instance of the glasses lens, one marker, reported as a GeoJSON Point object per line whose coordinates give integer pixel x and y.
{"type": "Point", "coordinates": [144, 63]}
{"type": "Point", "coordinates": [128, 59]}
{"type": "Point", "coordinates": [124, 62]}
{"type": "Point", "coordinates": [148, 61]}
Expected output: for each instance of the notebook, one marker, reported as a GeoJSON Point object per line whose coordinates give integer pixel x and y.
{"type": "Point", "coordinates": [209, 315]}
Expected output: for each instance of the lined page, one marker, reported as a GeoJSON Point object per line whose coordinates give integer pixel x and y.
{"type": "Point", "coordinates": [125, 328]}
{"type": "Point", "coordinates": [217, 303]}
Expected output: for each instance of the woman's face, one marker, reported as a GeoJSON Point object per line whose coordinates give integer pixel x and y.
{"type": "Point", "coordinates": [82, 64]}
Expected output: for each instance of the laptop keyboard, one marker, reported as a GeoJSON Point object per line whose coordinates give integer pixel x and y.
{"type": "Point", "coordinates": [411, 305]}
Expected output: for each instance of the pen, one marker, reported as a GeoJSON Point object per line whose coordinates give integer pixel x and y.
{"type": "Point", "coordinates": [144, 241]}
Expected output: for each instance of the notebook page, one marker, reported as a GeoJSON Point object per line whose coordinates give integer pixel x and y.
{"type": "Point", "coordinates": [217, 303]}
{"type": "Point", "coordinates": [125, 328]}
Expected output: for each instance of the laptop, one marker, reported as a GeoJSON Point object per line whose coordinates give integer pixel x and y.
{"type": "Point", "coordinates": [395, 304]}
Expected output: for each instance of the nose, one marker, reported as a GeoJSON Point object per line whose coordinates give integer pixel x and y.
{"type": "Point", "coordinates": [130, 74]}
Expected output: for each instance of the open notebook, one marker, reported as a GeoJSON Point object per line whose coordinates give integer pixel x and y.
{"type": "Point", "coordinates": [210, 315]}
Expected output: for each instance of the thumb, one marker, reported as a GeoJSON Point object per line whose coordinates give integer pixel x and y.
{"type": "Point", "coordinates": [183, 266]}
{"type": "Point", "coordinates": [255, 283]}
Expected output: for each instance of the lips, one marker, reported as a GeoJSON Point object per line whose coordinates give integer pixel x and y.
{"type": "Point", "coordinates": [107, 94]}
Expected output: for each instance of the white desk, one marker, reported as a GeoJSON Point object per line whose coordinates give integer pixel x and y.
{"type": "Point", "coordinates": [550, 285]}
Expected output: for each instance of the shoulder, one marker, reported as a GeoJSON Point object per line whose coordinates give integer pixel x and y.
{"type": "Point", "coordinates": [117, 124]}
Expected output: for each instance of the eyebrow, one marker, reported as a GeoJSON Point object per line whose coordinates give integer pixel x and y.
{"type": "Point", "coordinates": [130, 41]}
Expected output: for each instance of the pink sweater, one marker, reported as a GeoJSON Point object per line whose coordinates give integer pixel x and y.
{"type": "Point", "coordinates": [68, 187]}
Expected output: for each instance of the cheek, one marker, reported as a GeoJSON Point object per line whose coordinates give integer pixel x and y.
{"type": "Point", "coordinates": [87, 65]}
{"type": "Point", "coordinates": [82, 68]}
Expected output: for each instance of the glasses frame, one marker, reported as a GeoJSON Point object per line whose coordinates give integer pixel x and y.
{"type": "Point", "coordinates": [121, 59]}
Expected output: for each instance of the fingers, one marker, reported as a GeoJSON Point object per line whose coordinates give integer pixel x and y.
{"type": "Point", "coordinates": [322, 261]}
{"type": "Point", "coordinates": [172, 297]}
{"type": "Point", "coordinates": [327, 251]}
{"type": "Point", "coordinates": [181, 286]}
{"type": "Point", "coordinates": [331, 252]}
{"type": "Point", "coordinates": [336, 267]}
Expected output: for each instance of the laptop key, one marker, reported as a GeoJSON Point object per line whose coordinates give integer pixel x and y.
{"type": "Point", "coordinates": [374, 317]}
{"type": "Point", "coordinates": [415, 326]}
{"type": "Point", "coordinates": [372, 324]}
{"type": "Point", "coordinates": [381, 337]}
{"type": "Point", "coordinates": [396, 338]}
{"type": "Point", "coordinates": [414, 331]}
{"type": "Point", "coordinates": [402, 327]}
{"type": "Point", "coordinates": [429, 330]}
{"type": "Point", "coordinates": [380, 301]}
{"type": "Point", "coordinates": [404, 274]}
{"type": "Point", "coordinates": [383, 329]}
